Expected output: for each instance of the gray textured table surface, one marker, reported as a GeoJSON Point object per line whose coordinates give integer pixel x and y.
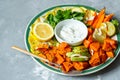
{"type": "Point", "coordinates": [14, 16]}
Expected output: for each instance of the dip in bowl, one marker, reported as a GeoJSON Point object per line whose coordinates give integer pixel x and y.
{"type": "Point", "coordinates": [71, 31]}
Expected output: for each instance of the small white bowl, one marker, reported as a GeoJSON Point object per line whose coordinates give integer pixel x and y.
{"type": "Point", "coordinates": [71, 31]}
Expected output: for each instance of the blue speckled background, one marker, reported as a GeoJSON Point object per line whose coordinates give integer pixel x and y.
{"type": "Point", "coordinates": [14, 17]}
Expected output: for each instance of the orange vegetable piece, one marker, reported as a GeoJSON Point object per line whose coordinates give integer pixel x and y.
{"type": "Point", "coordinates": [114, 46]}
{"type": "Point", "coordinates": [49, 57]}
{"type": "Point", "coordinates": [77, 66]}
{"type": "Point", "coordinates": [100, 20]}
{"type": "Point", "coordinates": [89, 22]}
{"type": "Point", "coordinates": [67, 59]}
{"type": "Point", "coordinates": [42, 50]}
{"type": "Point", "coordinates": [95, 59]}
{"type": "Point", "coordinates": [46, 52]}
{"type": "Point", "coordinates": [90, 38]}
{"type": "Point", "coordinates": [86, 43]}
{"type": "Point", "coordinates": [53, 51]}
{"type": "Point", "coordinates": [42, 55]}
{"type": "Point", "coordinates": [95, 46]}
{"type": "Point", "coordinates": [106, 45]}
{"type": "Point", "coordinates": [103, 56]}
{"type": "Point", "coordinates": [108, 17]}
{"type": "Point", "coordinates": [90, 31]}
{"type": "Point", "coordinates": [60, 59]}
{"type": "Point", "coordinates": [112, 42]}
{"type": "Point", "coordinates": [67, 66]}
{"type": "Point", "coordinates": [96, 19]}
{"type": "Point", "coordinates": [110, 54]}
{"type": "Point", "coordinates": [68, 49]}
{"type": "Point", "coordinates": [43, 45]}
{"type": "Point", "coordinates": [62, 46]}
{"type": "Point", "coordinates": [80, 65]}
{"type": "Point", "coordinates": [62, 52]}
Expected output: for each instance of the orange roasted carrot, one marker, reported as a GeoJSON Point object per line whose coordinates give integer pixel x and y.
{"type": "Point", "coordinates": [94, 21]}
{"type": "Point", "coordinates": [95, 46]}
{"type": "Point", "coordinates": [100, 20]}
{"type": "Point", "coordinates": [89, 22]}
{"type": "Point", "coordinates": [108, 17]}
{"type": "Point", "coordinates": [97, 17]}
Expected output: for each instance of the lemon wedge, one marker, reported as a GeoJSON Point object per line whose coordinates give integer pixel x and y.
{"type": "Point", "coordinates": [99, 35]}
{"type": "Point", "coordinates": [110, 29]}
{"type": "Point", "coordinates": [103, 27]}
{"type": "Point", "coordinates": [43, 31]}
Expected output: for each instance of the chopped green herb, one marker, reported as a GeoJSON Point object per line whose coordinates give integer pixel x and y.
{"type": "Point", "coordinates": [62, 15]}
{"type": "Point", "coordinates": [116, 24]}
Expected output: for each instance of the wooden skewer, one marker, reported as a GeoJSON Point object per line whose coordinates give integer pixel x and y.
{"type": "Point", "coordinates": [30, 54]}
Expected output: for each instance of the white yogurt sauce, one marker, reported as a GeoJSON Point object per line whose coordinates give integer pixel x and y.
{"type": "Point", "coordinates": [70, 34]}
{"type": "Point", "coordinates": [73, 32]}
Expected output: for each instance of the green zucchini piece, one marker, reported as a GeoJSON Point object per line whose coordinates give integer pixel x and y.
{"type": "Point", "coordinates": [78, 57]}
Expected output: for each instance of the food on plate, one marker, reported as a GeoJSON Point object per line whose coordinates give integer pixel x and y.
{"type": "Point", "coordinates": [79, 53]}
{"type": "Point", "coordinates": [54, 18]}
{"type": "Point", "coordinates": [65, 31]}
{"type": "Point", "coordinates": [110, 29]}
{"type": "Point", "coordinates": [95, 49]}
{"type": "Point", "coordinates": [43, 31]}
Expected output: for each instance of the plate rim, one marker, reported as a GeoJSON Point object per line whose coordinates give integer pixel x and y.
{"type": "Point", "coordinates": [27, 46]}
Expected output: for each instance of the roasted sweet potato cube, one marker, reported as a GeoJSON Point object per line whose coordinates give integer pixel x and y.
{"type": "Point", "coordinates": [80, 65]}
{"type": "Point", "coordinates": [60, 59]}
{"type": "Point", "coordinates": [106, 46]}
{"type": "Point", "coordinates": [67, 66]}
{"type": "Point", "coordinates": [103, 56]}
{"type": "Point", "coordinates": [95, 46]}
{"type": "Point", "coordinates": [86, 43]}
{"type": "Point", "coordinates": [110, 54]}
{"type": "Point", "coordinates": [95, 59]}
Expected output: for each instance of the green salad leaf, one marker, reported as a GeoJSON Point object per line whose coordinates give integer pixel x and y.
{"type": "Point", "coordinates": [62, 15]}
{"type": "Point", "coordinates": [116, 24]}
